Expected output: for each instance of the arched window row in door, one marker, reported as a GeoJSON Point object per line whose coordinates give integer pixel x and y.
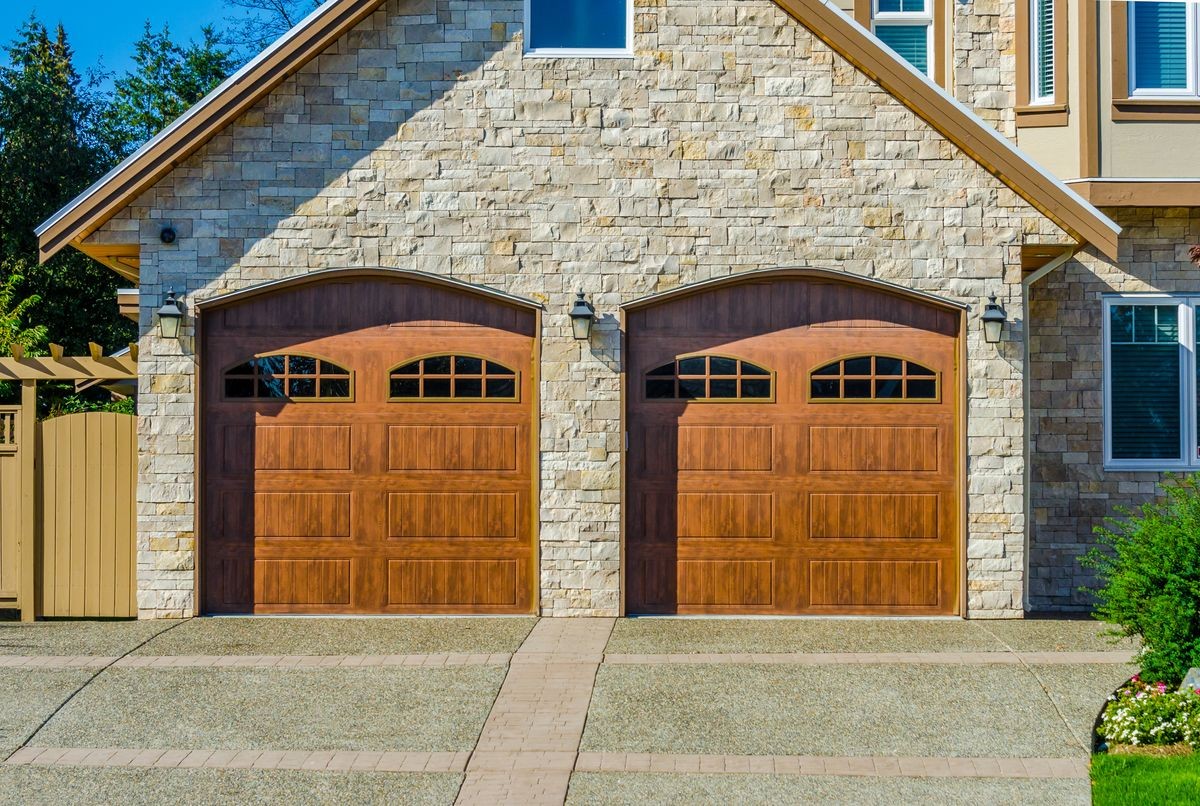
{"type": "Point", "coordinates": [874, 377]}
{"type": "Point", "coordinates": [710, 377]}
{"type": "Point", "coordinates": [431, 378]}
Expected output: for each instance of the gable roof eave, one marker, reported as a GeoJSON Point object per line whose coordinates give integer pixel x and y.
{"type": "Point", "coordinates": [121, 186]}
{"type": "Point", "coordinates": [954, 121]}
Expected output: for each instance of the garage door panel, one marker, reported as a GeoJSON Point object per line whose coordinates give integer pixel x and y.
{"type": "Point", "coordinates": [874, 516]}
{"type": "Point", "coordinates": [711, 515]}
{"type": "Point", "coordinates": [726, 583]}
{"type": "Point", "coordinates": [875, 583]}
{"type": "Point", "coordinates": [428, 447]}
{"type": "Point", "coordinates": [319, 581]}
{"type": "Point", "coordinates": [313, 446]}
{"type": "Point", "coordinates": [890, 449]}
{"type": "Point", "coordinates": [725, 448]}
{"type": "Point", "coordinates": [318, 516]}
{"type": "Point", "coordinates": [453, 582]}
{"type": "Point", "coordinates": [453, 515]}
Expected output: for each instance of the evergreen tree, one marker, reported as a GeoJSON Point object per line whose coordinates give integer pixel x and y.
{"type": "Point", "coordinates": [166, 81]}
{"type": "Point", "coordinates": [48, 155]}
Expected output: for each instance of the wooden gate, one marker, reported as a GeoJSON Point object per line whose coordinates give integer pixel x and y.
{"type": "Point", "coordinates": [67, 496]}
{"type": "Point", "coordinates": [87, 481]}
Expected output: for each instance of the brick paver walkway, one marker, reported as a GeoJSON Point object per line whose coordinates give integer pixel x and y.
{"type": "Point", "coordinates": [530, 742]}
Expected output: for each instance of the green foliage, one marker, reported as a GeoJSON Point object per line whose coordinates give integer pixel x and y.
{"type": "Point", "coordinates": [1145, 781]}
{"type": "Point", "coordinates": [1148, 563]}
{"type": "Point", "coordinates": [88, 401]}
{"type": "Point", "coordinates": [14, 313]}
{"type": "Point", "coordinates": [167, 80]}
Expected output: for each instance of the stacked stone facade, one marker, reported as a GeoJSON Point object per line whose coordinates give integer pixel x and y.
{"type": "Point", "coordinates": [1071, 492]}
{"type": "Point", "coordinates": [734, 140]}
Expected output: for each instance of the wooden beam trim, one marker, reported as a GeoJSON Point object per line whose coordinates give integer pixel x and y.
{"type": "Point", "coordinates": [1116, 193]}
{"type": "Point", "coordinates": [68, 368]}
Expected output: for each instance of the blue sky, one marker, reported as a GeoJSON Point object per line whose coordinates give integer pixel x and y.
{"type": "Point", "coordinates": [108, 28]}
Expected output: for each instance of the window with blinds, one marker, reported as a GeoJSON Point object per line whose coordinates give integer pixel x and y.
{"type": "Point", "coordinates": [906, 26]}
{"type": "Point", "coordinates": [1041, 50]}
{"type": "Point", "coordinates": [1163, 49]}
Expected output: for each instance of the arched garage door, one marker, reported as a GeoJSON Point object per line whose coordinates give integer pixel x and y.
{"type": "Point", "coordinates": [793, 444]}
{"type": "Point", "coordinates": [367, 449]}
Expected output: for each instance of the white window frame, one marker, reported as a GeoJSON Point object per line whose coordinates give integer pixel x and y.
{"type": "Point", "coordinates": [1035, 54]}
{"type": "Point", "coordinates": [589, 53]}
{"type": "Point", "coordinates": [1188, 435]}
{"type": "Point", "coordinates": [925, 18]}
{"type": "Point", "coordinates": [1193, 55]}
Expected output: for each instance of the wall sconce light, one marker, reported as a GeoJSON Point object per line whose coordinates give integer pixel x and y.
{"type": "Point", "coordinates": [170, 317]}
{"type": "Point", "coordinates": [994, 318]}
{"type": "Point", "coordinates": [167, 235]}
{"type": "Point", "coordinates": [583, 313]}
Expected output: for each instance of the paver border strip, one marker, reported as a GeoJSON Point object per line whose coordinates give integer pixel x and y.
{"type": "Point", "coordinates": [438, 660]}
{"type": "Point", "coordinates": [330, 760]}
{"type": "Point", "coordinates": [875, 658]}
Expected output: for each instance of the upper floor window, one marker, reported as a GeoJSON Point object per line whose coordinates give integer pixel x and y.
{"type": "Point", "coordinates": [906, 26]}
{"type": "Point", "coordinates": [579, 27]}
{"type": "Point", "coordinates": [1163, 49]}
{"type": "Point", "coordinates": [1150, 383]}
{"type": "Point", "coordinates": [710, 377]}
{"type": "Point", "coordinates": [1042, 31]}
{"type": "Point", "coordinates": [288, 377]}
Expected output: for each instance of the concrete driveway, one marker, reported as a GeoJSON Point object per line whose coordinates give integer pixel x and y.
{"type": "Point", "coordinates": [445, 710]}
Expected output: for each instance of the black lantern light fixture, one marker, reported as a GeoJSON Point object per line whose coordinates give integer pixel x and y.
{"type": "Point", "coordinates": [170, 317]}
{"type": "Point", "coordinates": [583, 313]}
{"type": "Point", "coordinates": [994, 318]}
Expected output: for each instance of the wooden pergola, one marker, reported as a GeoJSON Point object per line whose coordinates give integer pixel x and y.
{"type": "Point", "coordinates": [18, 438]}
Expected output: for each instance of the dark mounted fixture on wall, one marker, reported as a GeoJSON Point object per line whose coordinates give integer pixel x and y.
{"type": "Point", "coordinates": [994, 318]}
{"type": "Point", "coordinates": [583, 313]}
{"type": "Point", "coordinates": [170, 317]}
{"type": "Point", "coordinates": [167, 235]}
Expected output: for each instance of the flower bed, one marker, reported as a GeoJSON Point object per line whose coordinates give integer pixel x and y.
{"type": "Point", "coordinates": [1149, 714]}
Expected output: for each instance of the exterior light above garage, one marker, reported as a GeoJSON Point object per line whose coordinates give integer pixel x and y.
{"type": "Point", "coordinates": [170, 316]}
{"type": "Point", "coordinates": [994, 318]}
{"type": "Point", "coordinates": [583, 313]}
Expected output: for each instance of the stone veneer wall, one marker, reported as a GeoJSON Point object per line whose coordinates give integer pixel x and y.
{"type": "Point", "coordinates": [985, 60]}
{"type": "Point", "coordinates": [733, 141]}
{"type": "Point", "coordinates": [1070, 490]}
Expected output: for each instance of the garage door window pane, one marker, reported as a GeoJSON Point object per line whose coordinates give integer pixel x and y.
{"type": "Point", "coordinates": [709, 377]}
{"type": "Point", "coordinates": [1145, 391]}
{"type": "Point", "coordinates": [452, 377]}
{"type": "Point", "coordinates": [882, 378]}
{"type": "Point", "coordinates": [294, 377]}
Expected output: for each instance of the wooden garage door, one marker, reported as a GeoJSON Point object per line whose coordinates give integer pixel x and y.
{"type": "Point", "coordinates": [792, 449]}
{"type": "Point", "coordinates": [367, 450]}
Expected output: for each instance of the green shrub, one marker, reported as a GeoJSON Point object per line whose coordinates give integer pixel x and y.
{"type": "Point", "coordinates": [1148, 564]}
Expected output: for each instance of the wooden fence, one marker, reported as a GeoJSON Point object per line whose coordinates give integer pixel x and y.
{"type": "Point", "coordinates": [67, 496]}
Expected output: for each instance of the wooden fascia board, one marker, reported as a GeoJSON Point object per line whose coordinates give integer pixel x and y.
{"type": "Point", "coordinates": [1149, 193]}
{"type": "Point", "coordinates": [124, 259]}
{"type": "Point", "coordinates": [984, 145]}
{"type": "Point", "coordinates": [224, 105]}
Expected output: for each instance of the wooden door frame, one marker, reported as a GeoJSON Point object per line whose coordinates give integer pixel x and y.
{"type": "Point", "coordinates": [829, 275]}
{"type": "Point", "coordinates": [216, 303]}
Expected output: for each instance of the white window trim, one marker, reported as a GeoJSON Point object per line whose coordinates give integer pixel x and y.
{"type": "Point", "coordinates": [1193, 67]}
{"type": "Point", "coordinates": [925, 18]}
{"type": "Point", "coordinates": [1035, 54]}
{"type": "Point", "coordinates": [580, 53]}
{"type": "Point", "coordinates": [1187, 385]}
